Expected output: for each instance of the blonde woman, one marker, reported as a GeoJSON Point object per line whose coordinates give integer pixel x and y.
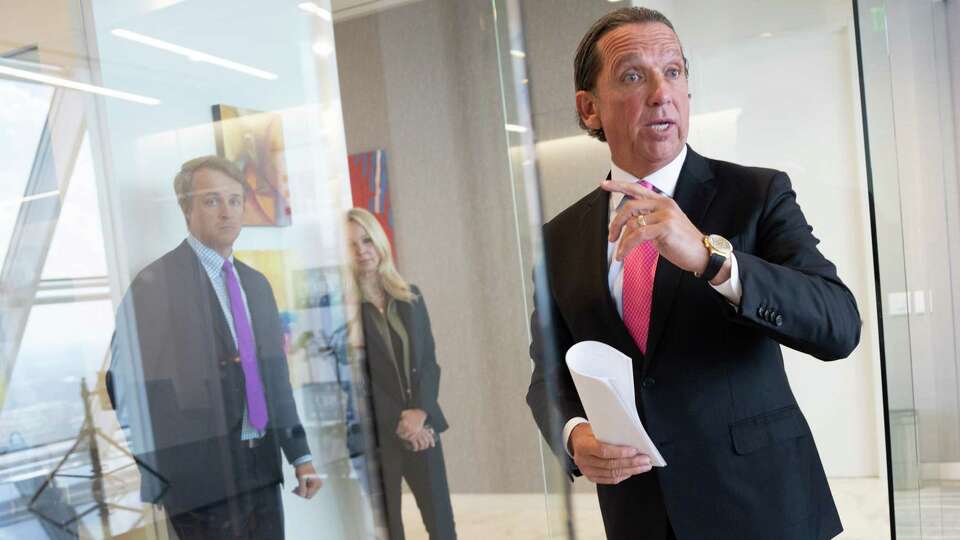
{"type": "Point", "coordinates": [404, 380]}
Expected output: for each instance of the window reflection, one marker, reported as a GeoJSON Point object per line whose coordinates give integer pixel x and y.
{"type": "Point", "coordinates": [21, 120]}
{"type": "Point", "coordinates": [111, 225]}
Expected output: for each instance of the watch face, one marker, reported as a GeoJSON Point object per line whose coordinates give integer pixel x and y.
{"type": "Point", "coordinates": [720, 244]}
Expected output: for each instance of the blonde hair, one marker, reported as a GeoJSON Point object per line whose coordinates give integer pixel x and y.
{"type": "Point", "coordinates": [391, 280]}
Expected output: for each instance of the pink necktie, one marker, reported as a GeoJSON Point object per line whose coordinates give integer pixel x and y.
{"type": "Point", "coordinates": [639, 269]}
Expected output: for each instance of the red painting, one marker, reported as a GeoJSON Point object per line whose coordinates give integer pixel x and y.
{"type": "Point", "coordinates": [368, 183]}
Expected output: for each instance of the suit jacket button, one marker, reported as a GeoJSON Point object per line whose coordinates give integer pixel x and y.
{"type": "Point", "coordinates": [760, 312]}
{"type": "Point", "coordinates": [779, 320]}
{"type": "Point", "coordinates": [648, 382]}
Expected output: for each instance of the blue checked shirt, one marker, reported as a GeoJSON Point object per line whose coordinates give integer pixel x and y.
{"type": "Point", "coordinates": [212, 264]}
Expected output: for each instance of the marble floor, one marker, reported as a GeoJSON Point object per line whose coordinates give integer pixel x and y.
{"type": "Point", "coordinates": [862, 504]}
{"type": "Point", "coordinates": [930, 513]}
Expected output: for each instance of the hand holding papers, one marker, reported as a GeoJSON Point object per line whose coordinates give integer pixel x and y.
{"type": "Point", "coordinates": [604, 379]}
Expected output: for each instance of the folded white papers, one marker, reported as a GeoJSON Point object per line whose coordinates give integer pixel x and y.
{"type": "Point", "coordinates": [604, 379]}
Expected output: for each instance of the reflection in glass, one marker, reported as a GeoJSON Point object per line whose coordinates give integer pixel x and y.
{"type": "Point", "coordinates": [415, 81]}
{"type": "Point", "coordinates": [21, 120]}
{"type": "Point", "coordinates": [404, 381]}
{"type": "Point", "coordinates": [200, 374]}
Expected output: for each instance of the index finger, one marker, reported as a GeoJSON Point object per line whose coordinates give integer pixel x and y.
{"type": "Point", "coordinates": [632, 189]}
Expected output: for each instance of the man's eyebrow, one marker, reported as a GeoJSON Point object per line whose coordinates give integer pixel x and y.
{"type": "Point", "coordinates": [628, 58]}
{"type": "Point", "coordinates": [670, 54]}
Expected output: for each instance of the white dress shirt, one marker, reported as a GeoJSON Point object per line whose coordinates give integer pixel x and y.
{"type": "Point", "coordinates": [665, 179]}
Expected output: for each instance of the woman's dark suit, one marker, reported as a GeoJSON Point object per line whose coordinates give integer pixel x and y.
{"type": "Point", "coordinates": [424, 471]}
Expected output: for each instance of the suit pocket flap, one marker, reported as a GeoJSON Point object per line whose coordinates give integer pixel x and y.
{"type": "Point", "coordinates": [763, 430]}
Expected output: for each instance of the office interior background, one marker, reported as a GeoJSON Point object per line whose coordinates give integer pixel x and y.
{"type": "Point", "coordinates": [464, 109]}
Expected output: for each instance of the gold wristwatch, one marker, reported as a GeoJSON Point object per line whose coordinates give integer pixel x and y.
{"type": "Point", "coordinates": [719, 249]}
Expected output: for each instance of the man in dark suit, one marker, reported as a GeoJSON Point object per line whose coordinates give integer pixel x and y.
{"type": "Point", "coordinates": [200, 375]}
{"type": "Point", "coordinates": [698, 270]}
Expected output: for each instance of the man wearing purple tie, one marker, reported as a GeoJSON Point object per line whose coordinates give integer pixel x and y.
{"type": "Point", "coordinates": [199, 375]}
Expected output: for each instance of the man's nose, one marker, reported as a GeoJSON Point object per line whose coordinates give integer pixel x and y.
{"type": "Point", "coordinates": [660, 92]}
{"type": "Point", "coordinates": [228, 210]}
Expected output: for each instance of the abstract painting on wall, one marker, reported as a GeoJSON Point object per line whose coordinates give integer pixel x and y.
{"type": "Point", "coordinates": [368, 184]}
{"type": "Point", "coordinates": [253, 140]}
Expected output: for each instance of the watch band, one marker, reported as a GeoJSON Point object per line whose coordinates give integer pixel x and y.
{"type": "Point", "coordinates": [713, 266]}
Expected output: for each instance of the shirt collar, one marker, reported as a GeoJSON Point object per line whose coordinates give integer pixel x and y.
{"type": "Point", "coordinates": [211, 261]}
{"type": "Point", "coordinates": [665, 178]}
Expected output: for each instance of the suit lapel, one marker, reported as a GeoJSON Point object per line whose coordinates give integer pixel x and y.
{"type": "Point", "coordinates": [213, 312]}
{"type": "Point", "coordinates": [594, 228]}
{"type": "Point", "coordinates": [694, 193]}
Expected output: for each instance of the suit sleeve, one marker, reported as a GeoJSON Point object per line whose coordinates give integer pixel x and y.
{"type": "Point", "coordinates": [125, 384]}
{"type": "Point", "coordinates": [791, 291]}
{"type": "Point", "coordinates": [429, 387]}
{"type": "Point", "coordinates": [122, 377]}
{"type": "Point", "coordinates": [551, 396]}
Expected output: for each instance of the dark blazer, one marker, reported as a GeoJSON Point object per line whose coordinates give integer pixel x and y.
{"type": "Point", "coordinates": [174, 378]}
{"type": "Point", "coordinates": [388, 397]}
{"type": "Point", "coordinates": [711, 390]}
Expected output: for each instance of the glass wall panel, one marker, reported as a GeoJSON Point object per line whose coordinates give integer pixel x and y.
{"type": "Point", "coordinates": [268, 272]}
{"type": "Point", "coordinates": [277, 269]}
{"type": "Point", "coordinates": [910, 74]}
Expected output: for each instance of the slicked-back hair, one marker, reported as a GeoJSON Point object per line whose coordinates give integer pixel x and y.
{"type": "Point", "coordinates": [183, 182]}
{"type": "Point", "coordinates": [587, 64]}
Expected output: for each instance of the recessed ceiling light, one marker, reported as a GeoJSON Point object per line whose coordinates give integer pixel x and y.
{"type": "Point", "coordinates": [74, 85]}
{"type": "Point", "coordinates": [30, 64]}
{"type": "Point", "coordinates": [310, 7]}
{"type": "Point", "coordinates": [196, 56]}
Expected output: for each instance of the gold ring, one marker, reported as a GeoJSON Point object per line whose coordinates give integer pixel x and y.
{"type": "Point", "coordinates": [642, 221]}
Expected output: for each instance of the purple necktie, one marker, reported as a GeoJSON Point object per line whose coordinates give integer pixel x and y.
{"type": "Point", "coordinates": [256, 402]}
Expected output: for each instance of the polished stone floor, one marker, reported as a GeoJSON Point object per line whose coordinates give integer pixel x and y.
{"type": "Point", "coordinates": [930, 513]}
{"type": "Point", "coordinates": [862, 504]}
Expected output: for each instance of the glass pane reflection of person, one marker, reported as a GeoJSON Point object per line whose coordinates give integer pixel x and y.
{"type": "Point", "coordinates": [199, 373]}
{"type": "Point", "coordinates": [404, 380]}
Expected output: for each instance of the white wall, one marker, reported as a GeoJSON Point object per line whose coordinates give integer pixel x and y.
{"type": "Point", "coordinates": [953, 46]}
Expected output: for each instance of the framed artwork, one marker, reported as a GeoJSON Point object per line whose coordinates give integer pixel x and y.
{"type": "Point", "coordinates": [253, 140]}
{"type": "Point", "coordinates": [272, 263]}
{"type": "Point", "coordinates": [370, 189]}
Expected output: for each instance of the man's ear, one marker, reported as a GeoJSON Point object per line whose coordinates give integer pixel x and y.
{"type": "Point", "coordinates": [588, 110]}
